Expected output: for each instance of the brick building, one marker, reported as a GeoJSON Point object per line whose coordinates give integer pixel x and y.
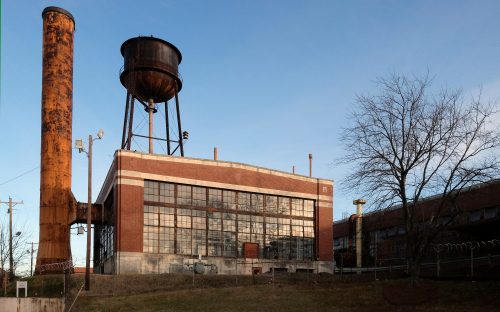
{"type": "Point", "coordinates": [384, 231]}
{"type": "Point", "coordinates": [162, 214]}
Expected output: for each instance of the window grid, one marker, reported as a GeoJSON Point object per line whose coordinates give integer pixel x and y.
{"type": "Point", "coordinates": [288, 233]}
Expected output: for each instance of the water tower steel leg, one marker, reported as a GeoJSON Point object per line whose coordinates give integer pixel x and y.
{"type": "Point", "coordinates": [151, 107]}
{"type": "Point", "coordinates": [130, 122]}
{"type": "Point", "coordinates": [167, 127]}
{"type": "Point", "coordinates": [125, 119]}
{"type": "Point", "coordinates": [179, 121]}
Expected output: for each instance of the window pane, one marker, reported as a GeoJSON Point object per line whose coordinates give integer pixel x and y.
{"type": "Point", "coordinates": [308, 208]}
{"type": "Point", "coordinates": [214, 221]}
{"type": "Point", "coordinates": [167, 193]}
{"type": "Point", "coordinates": [284, 205]}
{"type": "Point", "coordinates": [184, 241]}
{"type": "Point", "coordinates": [184, 195]}
{"type": "Point", "coordinates": [257, 203]}
{"type": "Point", "coordinates": [229, 199]}
{"type": "Point", "coordinates": [199, 196]}
{"type": "Point", "coordinates": [297, 207]}
{"type": "Point", "coordinates": [215, 198]}
{"type": "Point", "coordinates": [271, 204]}
{"type": "Point", "coordinates": [215, 243]}
{"type": "Point", "coordinates": [244, 201]}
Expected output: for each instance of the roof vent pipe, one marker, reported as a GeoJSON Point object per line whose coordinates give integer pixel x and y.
{"type": "Point", "coordinates": [310, 165]}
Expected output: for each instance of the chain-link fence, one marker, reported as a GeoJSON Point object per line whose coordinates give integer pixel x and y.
{"type": "Point", "coordinates": [457, 260]}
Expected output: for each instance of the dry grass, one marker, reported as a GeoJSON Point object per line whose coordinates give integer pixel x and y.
{"type": "Point", "coordinates": [308, 296]}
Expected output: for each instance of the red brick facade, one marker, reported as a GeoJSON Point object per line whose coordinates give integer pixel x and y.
{"type": "Point", "coordinates": [129, 170]}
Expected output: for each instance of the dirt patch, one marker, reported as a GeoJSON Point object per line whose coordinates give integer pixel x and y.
{"type": "Point", "coordinates": [403, 293]}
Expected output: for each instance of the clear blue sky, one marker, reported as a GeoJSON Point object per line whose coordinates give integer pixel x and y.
{"type": "Point", "coordinates": [266, 81]}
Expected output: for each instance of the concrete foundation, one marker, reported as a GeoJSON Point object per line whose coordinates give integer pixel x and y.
{"type": "Point", "coordinates": [31, 304]}
{"type": "Point", "coordinates": [144, 263]}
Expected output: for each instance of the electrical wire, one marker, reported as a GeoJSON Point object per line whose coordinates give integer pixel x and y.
{"type": "Point", "coordinates": [21, 175]}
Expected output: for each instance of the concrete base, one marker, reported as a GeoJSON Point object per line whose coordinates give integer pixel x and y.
{"type": "Point", "coordinates": [144, 263]}
{"type": "Point", "coordinates": [31, 304]}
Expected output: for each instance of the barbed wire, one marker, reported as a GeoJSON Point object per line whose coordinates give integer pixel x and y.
{"type": "Point", "coordinates": [466, 245]}
{"type": "Point", "coordinates": [59, 266]}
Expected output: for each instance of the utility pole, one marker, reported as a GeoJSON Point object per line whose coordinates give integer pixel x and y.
{"type": "Point", "coordinates": [32, 252]}
{"type": "Point", "coordinates": [11, 256]}
{"type": "Point", "coordinates": [81, 148]}
{"type": "Point", "coordinates": [4, 279]}
{"type": "Point", "coordinates": [31, 267]}
{"type": "Point", "coordinates": [89, 215]}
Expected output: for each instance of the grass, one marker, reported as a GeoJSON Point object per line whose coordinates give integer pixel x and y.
{"type": "Point", "coordinates": [295, 292]}
{"type": "Point", "coordinates": [339, 296]}
{"type": "Point", "coordinates": [48, 286]}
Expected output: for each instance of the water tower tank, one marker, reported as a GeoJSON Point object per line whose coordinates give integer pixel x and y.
{"type": "Point", "coordinates": [150, 70]}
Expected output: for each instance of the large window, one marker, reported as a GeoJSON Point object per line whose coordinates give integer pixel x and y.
{"type": "Point", "coordinates": [215, 242]}
{"type": "Point", "coordinates": [106, 241]}
{"type": "Point", "coordinates": [159, 192]}
{"type": "Point", "coordinates": [194, 220]}
{"type": "Point", "coordinates": [158, 229]}
{"type": "Point", "coordinates": [184, 229]}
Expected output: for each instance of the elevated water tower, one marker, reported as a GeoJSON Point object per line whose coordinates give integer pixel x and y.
{"type": "Point", "coordinates": [151, 76]}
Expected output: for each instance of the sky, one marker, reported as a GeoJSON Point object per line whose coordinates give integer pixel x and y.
{"type": "Point", "coordinates": [267, 82]}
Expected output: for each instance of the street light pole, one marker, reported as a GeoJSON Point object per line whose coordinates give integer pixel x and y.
{"type": "Point", "coordinates": [81, 148]}
{"type": "Point", "coordinates": [89, 215]}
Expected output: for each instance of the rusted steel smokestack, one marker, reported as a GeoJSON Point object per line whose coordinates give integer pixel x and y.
{"type": "Point", "coordinates": [57, 111]}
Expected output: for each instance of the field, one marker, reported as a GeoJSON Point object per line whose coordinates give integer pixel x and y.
{"type": "Point", "coordinates": [313, 294]}
{"type": "Point", "coordinates": [295, 292]}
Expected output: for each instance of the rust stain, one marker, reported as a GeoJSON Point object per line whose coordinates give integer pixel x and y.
{"type": "Point", "coordinates": [56, 198]}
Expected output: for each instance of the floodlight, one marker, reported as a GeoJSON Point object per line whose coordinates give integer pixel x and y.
{"type": "Point", "coordinates": [79, 145]}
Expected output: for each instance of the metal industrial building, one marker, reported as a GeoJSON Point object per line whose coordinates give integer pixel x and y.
{"type": "Point", "coordinates": [163, 213]}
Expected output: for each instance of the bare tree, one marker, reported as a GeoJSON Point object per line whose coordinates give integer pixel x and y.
{"type": "Point", "coordinates": [405, 144]}
{"type": "Point", "coordinates": [20, 250]}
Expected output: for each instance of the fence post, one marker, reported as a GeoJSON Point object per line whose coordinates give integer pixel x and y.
{"type": "Point", "coordinates": [273, 272]}
{"type": "Point", "coordinates": [471, 262]}
{"type": "Point", "coordinates": [376, 255]}
{"type": "Point", "coordinates": [341, 265]}
{"type": "Point", "coordinates": [438, 265]}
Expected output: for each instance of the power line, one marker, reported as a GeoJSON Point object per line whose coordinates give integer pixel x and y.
{"type": "Point", "coordinates": [22, 174]}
